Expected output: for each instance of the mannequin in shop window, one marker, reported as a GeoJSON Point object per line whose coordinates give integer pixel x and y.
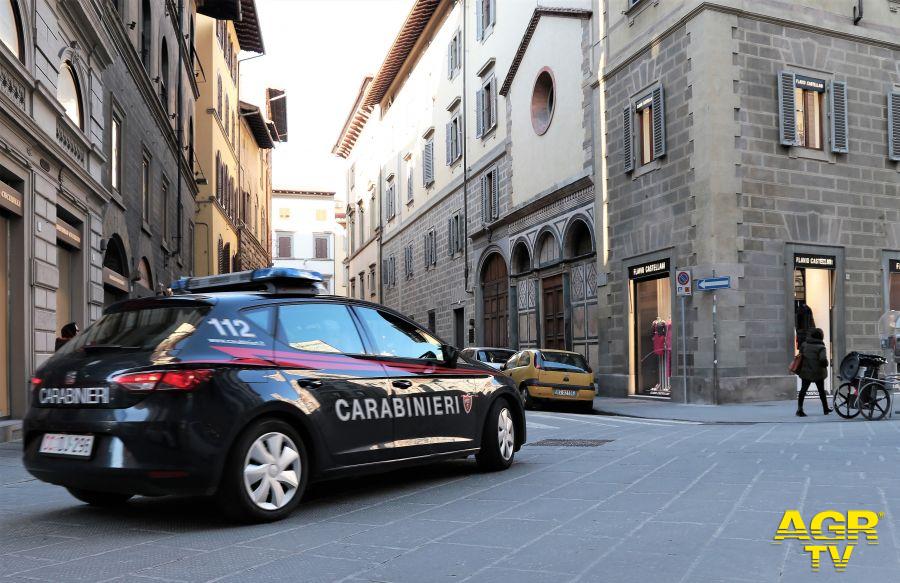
{"type": "Point", "coordinates": [803, 321]}
{"type": "Point", "coordinates": [661, 337]}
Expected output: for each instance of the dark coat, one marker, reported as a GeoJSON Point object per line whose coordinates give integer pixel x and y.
{"type": "Point", "coordinates": [815, 360]}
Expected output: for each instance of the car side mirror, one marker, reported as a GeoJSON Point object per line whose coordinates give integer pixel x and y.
{"type": "Point", "coordinates": [503, 366]}
{"type": "Point", "coordinates": [451, 354]}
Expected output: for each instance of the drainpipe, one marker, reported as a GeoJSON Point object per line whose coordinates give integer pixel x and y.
{"type": "Point", "coordinates": [465, 146]}
{"type": "Point", "coordinates": [179, 115]}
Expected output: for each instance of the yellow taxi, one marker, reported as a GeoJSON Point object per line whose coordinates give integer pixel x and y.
{"type": "Point", "coordinates": [544, 375]}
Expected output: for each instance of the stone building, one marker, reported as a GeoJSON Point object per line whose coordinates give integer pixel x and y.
{"type": "Point", "coordinates": [149, 102]}
{"type": "Point", "coordinates": [53, 194]}
{"type": "Point", "coordinates": [758, 141]}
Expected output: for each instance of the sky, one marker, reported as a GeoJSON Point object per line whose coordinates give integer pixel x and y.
{"type": "Point", "coordinates": [318, 51]}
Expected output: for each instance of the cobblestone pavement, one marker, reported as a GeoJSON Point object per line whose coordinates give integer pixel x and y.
{"type": "Point", "coordinates": [662, 501]}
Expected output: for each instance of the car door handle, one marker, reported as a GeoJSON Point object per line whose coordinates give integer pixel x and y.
{"type": "Point", "coordinates": [309, 384]}
{"type": "Point", "coordinates": [402, 384]}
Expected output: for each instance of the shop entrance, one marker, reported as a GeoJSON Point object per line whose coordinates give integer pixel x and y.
{"type": "Point", "coordinates": [554, 315]}
{"type": "Point", "coordinates": [894, 284]}
{"type": "Point", "coordinates": [814, 303]}
{"type": "Point", "coordinates": [4, 316]}
{"type": "Point", "coordinates": [651, 321]}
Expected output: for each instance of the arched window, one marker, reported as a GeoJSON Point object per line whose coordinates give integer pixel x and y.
{"type": "Point", "coordinates": [219, 97]}
{"type": "Point", "coordinates": [225, 114]}
{"type": "Point", "coordinates": [146, 31]}
{"type": "Point", "coordinates": [11, 27]}
{"type": "Point", "coordinates": [164, 75]}
{"type": "Point", "coordinates": [68, 93]}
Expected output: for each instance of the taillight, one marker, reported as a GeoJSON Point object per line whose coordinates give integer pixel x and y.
{"type": "Point", "coordinates": [36, 382]}
{"type": "Point", "coordinates": [162, 380]}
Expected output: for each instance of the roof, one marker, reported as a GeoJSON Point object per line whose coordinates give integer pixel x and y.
{"type": "Point", "coordinates": [303, 193]}
{"type": "Point", "coordinates": [276, 110]}
{"type": "Point", "coordinates": [247, 28]}
{"type": "Point", "coordinates": [539, 12]}
{"type": "Point", "coordinates": [375, 88]}
{"type": "Point", "coordinates": [257, 123]}
{"type": "Point", "coordinates": [354, 123]}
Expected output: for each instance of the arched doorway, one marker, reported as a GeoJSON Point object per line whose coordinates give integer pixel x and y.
{"type": "Point", "coordinates": [553, 316]}
{"type": "Point", "coordinates": [495, 294]}
{"type": "Point", "coordinates": [115, 271]}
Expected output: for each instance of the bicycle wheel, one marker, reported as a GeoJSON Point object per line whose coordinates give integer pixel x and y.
{"type": "Point", "coordinates": [875, 401]}
{"type": "Point", "coordinates": [845, 401]}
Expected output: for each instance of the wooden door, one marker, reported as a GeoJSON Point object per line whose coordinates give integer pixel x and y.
{"type": "Point", "coordinates": [495, 296]}
{"type": "Point", "coordinates": [554, 318]}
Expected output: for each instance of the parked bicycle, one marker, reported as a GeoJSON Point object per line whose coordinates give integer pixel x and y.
{"type": "Point", "coordinates": [865, 390]}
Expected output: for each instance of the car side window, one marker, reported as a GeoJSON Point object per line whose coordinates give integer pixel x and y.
{"type": "Point", "coordinates": [319, 327]}
{"type": "Point", "coordinates": [394, 336]}
{"type": "Point", "coordinates": [523, 359]}
{"type": "Point", "coordinates": [261, 318]}
{"type": "Point", "coordinates": [511, 363]}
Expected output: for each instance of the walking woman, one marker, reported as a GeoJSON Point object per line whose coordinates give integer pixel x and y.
{"type": "Point", "coordinates": [814, 369]}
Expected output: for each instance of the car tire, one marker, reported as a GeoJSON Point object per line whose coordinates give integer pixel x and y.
{"type": "Point", "coordinates": [100, 499]}
{"type": "Point", "coordinates": [265, 461]}
{"type": "Point", "coordinates": [586, 406]}
{"type": "Point", "coordinates": [498, 441]}
{"type": "Point", "coordinates": [527, 400]}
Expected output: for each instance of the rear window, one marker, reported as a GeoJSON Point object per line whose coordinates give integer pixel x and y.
{"type": "Point", "coordinates": [563, 361]}
{"type": "Point", "coordinates": [496, 356]}
{"type": "Point", "coordinates": [157, 328]}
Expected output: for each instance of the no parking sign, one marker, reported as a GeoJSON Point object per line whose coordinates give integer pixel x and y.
{"type": "Point", "coordinates": [683, 283]}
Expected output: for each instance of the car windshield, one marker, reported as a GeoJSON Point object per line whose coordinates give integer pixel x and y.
{"type": "Point", "coordinates": [563, 361]}
{"type": "Point", "coordinates": [155, 328]}
{"type": "Point", "coordinates": [496, 356]}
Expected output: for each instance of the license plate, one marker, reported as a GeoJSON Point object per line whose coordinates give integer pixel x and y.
{"type": "Point", "coordinates": [66, 444]}
{"type": "Point", "coordinates": [565, 392]}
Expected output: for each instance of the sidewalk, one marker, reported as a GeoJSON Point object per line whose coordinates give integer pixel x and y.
{"type": "Point", "coordinates": [762, 412]}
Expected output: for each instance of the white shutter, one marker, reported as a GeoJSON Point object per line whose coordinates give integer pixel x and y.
{"type": "Point", "coordinates": [485, 211]}
{"type": "Point", "coordinates": [787, 109]}
{"type": "Point", "coordinates": [894, 126]}
{"type": "Point", "coordinates": [493, 12]}
{"type": "Point", "coordinates": [493, 120]}
{"type": "Point", "coordinates": [495, 195]}
{"type": "Point", "coordinates": [433, 247]}
{"type": "Point", "coordinates": [449, 142]}
{"type": "Point", "coordinates": [628, 139]}
{"type": "Point", "coordinates": [459, 137]}
{"type": "Point", "coordinates": [479, 113]}
{"type": "Point", "coordinates": [839, 139]}
{"type": "Point", "coordinates": [659, 123]}
{"type": "Point", "coordinates": [450, 58]}
{"type": "Point", "coordinates": [479, 24]}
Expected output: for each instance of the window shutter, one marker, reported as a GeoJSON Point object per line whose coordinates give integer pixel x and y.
{"type": "Point", "coordinates": [493, 120]}
{"type": "Point", "coordinates": [659, 123]}
{"type": "Point", "coordinates": [460, 233]}
{"type": "Point", "coordinates": [284, 246]}
{"type": "Point", "coordinates": [449, 143]}
{"type": "Point", "coordinates": [459, 142]}
{"type": "Point", "coordinates": [839, 139]}
{"type": "Point", "coordinates": [409, 185]}
{"type": "Point", "coordinates": [485, 211]}
{"type": "Point", "coordinates": [628, 140]}
{"type": "Point", "coordinates": [433, 247]}
{"type": "Point", "coordinates": [450, 237]}
{"type": "Point", "coordinates": [479, 113]}
{"type": "Point", "coordinates": [428, 163]}
{"type": "Point", "coordinates": [493, 11]}
{"type": "Point", "coordinates": [495, 195]}
{"type": "Point", "coordinates": [787, 109]}
{"type": "Point", "coordinates": [894, 126]}
{"type": "Point", "coordinates": [479, 24]}
{"type": "Point", "coordinates": [450, 58]}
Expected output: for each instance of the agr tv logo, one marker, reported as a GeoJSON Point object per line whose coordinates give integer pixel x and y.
{"type": "Point", "coordinates": [830, 528]}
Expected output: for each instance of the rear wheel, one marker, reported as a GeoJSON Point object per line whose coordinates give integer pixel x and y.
{"type": "Point", "coordinates": [103, 499]}
{"type": "Point", "coordinates": [266, 473]}
{"type": "Point", "coordinates": [586, 406]}
{"type": "Point", "coordinates": [498, 441]}
{"type": "Point", "coordinates": [528, 399]}
{"type": "Point", "coordinates": [845, 401]}
{"type": "Point", "coordinates": [875, 401]}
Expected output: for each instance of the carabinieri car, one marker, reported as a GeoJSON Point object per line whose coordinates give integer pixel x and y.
{"type": "Point", "coordinates": [249, 385]}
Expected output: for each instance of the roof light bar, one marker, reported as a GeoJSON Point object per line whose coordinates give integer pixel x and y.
{"type": "Point", "coordinates": [272, 279]}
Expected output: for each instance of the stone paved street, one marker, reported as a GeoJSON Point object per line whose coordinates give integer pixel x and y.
{"type": "Point", "coordinates": [663, 501]}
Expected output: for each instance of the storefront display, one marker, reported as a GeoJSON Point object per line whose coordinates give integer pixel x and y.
{"type": "Point", "coordinates": [894, 284]}
{"type": "Point", "coordinates": [652, 328]}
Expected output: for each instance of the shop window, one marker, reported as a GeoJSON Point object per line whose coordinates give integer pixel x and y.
{"type": "Point", "coordinates": [68, 93]}
{"type": "Point", "coordinates": [11, 27]}
{"type": "Point", "coordinates": [651, 319]}
{"type": "Point", "coordinates": [813, 298]}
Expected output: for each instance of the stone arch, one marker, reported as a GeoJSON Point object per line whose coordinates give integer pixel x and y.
{"type": "Point", "coordinates": [578, 240]}
{"type": "Point", "coordinates": [115, 256]}
{"type": "Point", "coordinates": [520, 257]}
{"type": "Point", "coordinates": [547, 249]}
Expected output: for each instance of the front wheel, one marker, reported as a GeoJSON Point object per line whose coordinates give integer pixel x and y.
{"type": "Point", "coordinates": [498, 442]}
{"type": "Point", "coordinates": [102, 499]}
{"type": "Point", "coordinates": [876, 401]}
{"type": "Point", "coordinates": [266, 473]}
{"type": "Point", "coordinates": [846, 401]}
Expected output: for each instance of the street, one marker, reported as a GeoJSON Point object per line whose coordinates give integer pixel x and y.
{"type": "Point", "coordinates": [660, 501]}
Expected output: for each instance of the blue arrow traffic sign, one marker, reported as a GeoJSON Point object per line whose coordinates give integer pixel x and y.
{"type": "Point", "coordinates": [714, 283]}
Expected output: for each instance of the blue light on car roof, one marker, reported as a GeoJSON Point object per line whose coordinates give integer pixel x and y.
{"type": "Point", "coordinates": [271, 278]}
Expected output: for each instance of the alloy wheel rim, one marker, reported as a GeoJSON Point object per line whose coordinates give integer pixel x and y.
{"type": "Point", "coordinates": [272, 471]}
{"type": "Point", "coordinates": [505, 434]}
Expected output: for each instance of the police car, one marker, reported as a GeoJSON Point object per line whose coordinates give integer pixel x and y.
{"type": "Point", "coordinates": [248, 386]}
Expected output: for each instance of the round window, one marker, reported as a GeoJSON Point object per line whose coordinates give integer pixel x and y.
{"type": "Point", "coordinates": [543, 99]}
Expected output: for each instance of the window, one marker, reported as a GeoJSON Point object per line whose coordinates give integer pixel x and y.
{"type": "Point", "coordinates": [432, 320]}
{"type": "Point", "coordinates": [454, 139]}
{"type": "Point", "coordinates": [486, 107]}
{"type": "Point", "coordinates": [648, 113]}
{"type": "Point", "coordinates": [351, 229]}
{"type": "Point", "coordinates": [165, 209]}
{"type": "Point", "coordinates": [362, 222]}
{"type": "Point", "coordinates": [321, 246]}
{"type": "Point", "coordinates": [285, 246]}
{"type": "Point", "coordinates": [115, 158]}
{"type": "Point", "coordinates": [362, 285]}
{"type": "Point", "coordinates": [351, 177]}
{"type": "Point", "coordinates": [455, 235]}
{"type": "Point", "coordinates": [372, 279]}
{"type": "Point", "coordinates": [68, 93]}
{"type": "Point", "coordinates": [430, 248]}
{"type": "Point", "coordinates": [543, 101]}
{"type": "Point", "coordinates": [146, 31]}
{"type": "Point", "coordinates": [145, 189]}
{"type": "Point", "coordinates": [645, 134]}
{"type": "Point", "coordinates": [428, 162]}
{"type": "Point", "coordinates": [390, 198]}
{"type": "Point", "coordinates": [389, 272]}
{"type": "Point", "coordinates": [409, 182]}
{"type": "Point", "coordinates": [373, 215]}
{"type": "Point", "coordinates": [408, 261]}
{"type": "Point", "coordinates": [808, 105]}
{"type": "Point", "coordinates": [219, 97]}
{"type": "Point", "coordinates": [454, 55]}
{"type": "Point", "coordinates": [802, 115]}
{"type": "Point", "coordinates": [284, 213]}
{"type": "Point", "coordinates": [485, 17]}
{"type": "Point", "coordinates": [319, 328]}
{"type": "Point", "coordinates": [11, 27]}
{"type": "Point", "coordinates": [321, 215]}
{"type": "Point", "coordinates": [394, 336]}
{"type": "Point", "coordinates": [490, 196]}
{"type": "Point", "coordinates": [352, 287]}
